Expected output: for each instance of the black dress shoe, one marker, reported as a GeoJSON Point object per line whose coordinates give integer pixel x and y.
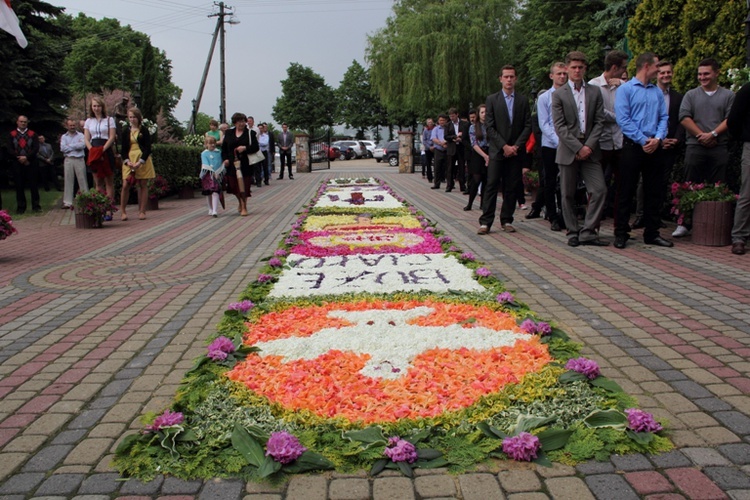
{"type": "Point", "coordinates": [435, 187]}
{"type": "Point", "coordinates": [448, 190]}
{"type": "Point", "coordinates": [638, 223]}
{"type": "Point", "coordinates": [555, 226]}
{"type": "Point", "coordinates": [534, 214]}
{"type": "Point", "coordinates": [595, 243]}
{"type": "Point", "coordinates": [660, 242]}
{"type": "Point", "coordinates": [467, 208]}
{"type": "Point", "coordinates": [291, 178]}
{"type": "Point", "coordinates": [621, 241]}
{"type": "Point", "coordinates": [279, 178]}
{"type": "Point", "coordinates": [573, 241]}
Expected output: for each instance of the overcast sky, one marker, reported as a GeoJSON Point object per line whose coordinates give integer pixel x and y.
{"type": "Point", "coordinates": [326, 35]}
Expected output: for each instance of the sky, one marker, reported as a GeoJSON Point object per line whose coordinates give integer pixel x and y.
{"type": "Point", "coordinates": [325, 35]}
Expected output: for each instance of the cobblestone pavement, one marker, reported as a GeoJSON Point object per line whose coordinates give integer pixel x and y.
{"type": "Point", "coordinates": [99, 326]}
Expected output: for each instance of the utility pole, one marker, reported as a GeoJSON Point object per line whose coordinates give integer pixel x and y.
{"type": "Point", "coordinates": [219, 32]}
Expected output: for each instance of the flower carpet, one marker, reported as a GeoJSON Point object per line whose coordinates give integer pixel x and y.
{"type": "Point", "coordinates": [370, 340]}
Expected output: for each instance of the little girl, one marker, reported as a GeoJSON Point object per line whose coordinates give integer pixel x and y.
{"type": "Point", "coordinates": [212, 173]}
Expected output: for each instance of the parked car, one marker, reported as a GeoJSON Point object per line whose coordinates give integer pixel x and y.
{"type": "Point", "coordinates": [370, 145]}
{"type": "Point", "coordinates": [277, 158]}
{"type": "Point", "coordinates": [379, 151]}
{"type": "Point", "coordinates": [358, 147]}
{"type": "Point", "coordinates": [390, 154]}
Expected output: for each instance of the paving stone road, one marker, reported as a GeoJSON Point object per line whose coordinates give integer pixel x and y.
{"type": "Point", "coordinates": [99, 326]}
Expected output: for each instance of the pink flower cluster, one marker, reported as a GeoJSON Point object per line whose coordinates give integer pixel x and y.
{"type": "Point", "coordinates": [641, 421]}
{"type": "Point", "coordinates": [523, 447]}
{"type": "Point", "coordinates": [483, 272]}
{"type": "Point", "coordinates": [6, 225]}
{"type": "Point", "coordinates": [275, 262]}
{"type": "Point", "coordinates": [280, 253]}
{"type": "Point", "coordinates": [166, 419]}
{"type": "Point", "coordinates": [264, 278]}
{"type": "Point", "coordinates": [584, 366]}
{"type": "Point", "coordinates": [243, 306]}
{"type": "Point", "coordinates": [400, 450]}
{"type": "Point", "coordinates": [284, 447]}
{"type": "Point", "coordinates": [532, 327]}
{"type": "Point", "coordinates": [505, 297]}
{"type": "Point", "coordinates": [467, 256]}
{"type": "Point", "coordinates": [220, 348]}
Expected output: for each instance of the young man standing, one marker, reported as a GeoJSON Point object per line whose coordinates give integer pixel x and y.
{"type": "Point", "coordinates": [23, 148]}
{"type": "Point", "coordinates": [437, 137]}
{"type": "Point", "coordinates": [739, 125]}
{"type": "Point", "coordinates": [642, 115]}
{"type": "Point", "coordinates": [578, 115]}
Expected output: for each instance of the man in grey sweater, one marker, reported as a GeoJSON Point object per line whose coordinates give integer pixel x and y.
{"type": "Point", "coordinates": [703, 113]}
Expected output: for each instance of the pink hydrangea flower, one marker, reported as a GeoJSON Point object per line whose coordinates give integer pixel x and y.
{"type": "Point", "coordinates": [284, 447]}
{"type": "Point", "coordinates": [483, 272]}
{"type": "Point", "coordinates": [243, 306]}
{"type": "Point", "coordinates": [585, 366]}
{"type": "Point", "coordinates": [505, 297]}
{"type": "Point", "coordinates": [401, 450]}
{"type": "Point", "coordinates": [523, 447]}
{"type": "Point", "coordinates": [264, 278]}
{"type": "Point", "coordinates": [641, 421]}
{"type": "Point", "coordinates": [166, 419]}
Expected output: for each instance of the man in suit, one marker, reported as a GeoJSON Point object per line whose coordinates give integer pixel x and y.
{"type": "Point", "coordinates": [739, 125]}
{"type": "Point", "coordinates": [578, 117]}
{"type": "Point", "coordinates": [285, 141]}
{"type": "Point", "coordinates": [23, 147]}
{"type": "Point", "coordinates": [508, 122]}
{"type": "Point", "coordinates": [454, 133]}
{"type": "Point", "coordinates": [464, 126]}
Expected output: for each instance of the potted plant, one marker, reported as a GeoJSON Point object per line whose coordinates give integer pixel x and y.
{"type": "Point", "coordinates": [91, 207]}
{"type": "Point", "coordinates": [530, 180]}
{"type": "Point", "coordinates": [157, 188]}
{"type": "Point", "coordinates": [6, 225]}
{"type": "Point", "coordinates": [185, 186]}
{"type": "Point", "coordinates": [708, 207]}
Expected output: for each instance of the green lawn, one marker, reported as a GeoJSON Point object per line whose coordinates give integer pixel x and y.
{"type": "Point", "coordinates": [49, 200]}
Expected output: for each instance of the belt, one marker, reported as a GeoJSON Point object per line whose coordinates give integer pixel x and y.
{"type": "Point", "coordinates": [629, 142]}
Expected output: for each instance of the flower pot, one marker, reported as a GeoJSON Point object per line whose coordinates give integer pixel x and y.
{"type": "Point", "coordinates": [186, 193]}
{"type": "Point", "coordinates": [85, 221]}
{"type": "Point", "coordinates": [153, 203]}
{"type": "Point", "coordinates": [712, 223]}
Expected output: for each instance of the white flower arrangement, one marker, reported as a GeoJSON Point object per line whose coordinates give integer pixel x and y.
{"type": "Point", "coordinates": [738, 77]}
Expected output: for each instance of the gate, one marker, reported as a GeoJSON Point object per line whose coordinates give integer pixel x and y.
{"type": "Point", "coordinates": [319, 157]}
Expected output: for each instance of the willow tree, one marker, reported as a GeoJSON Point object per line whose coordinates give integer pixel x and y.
{"type": "Point", "coordinates": [434, 54]}
{"type": "Point", "coordinates": [686, 31]}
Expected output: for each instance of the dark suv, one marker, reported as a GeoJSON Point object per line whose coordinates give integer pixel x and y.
{"type": "Point", "coordinates": [390, 153]}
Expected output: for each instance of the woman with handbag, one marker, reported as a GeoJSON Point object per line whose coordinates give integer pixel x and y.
{"type": "Point", "coordinates": [239, 144]}
{"type": "Point", "coordinates": [137, 168]}
{"type": "Point", "coordinates": [99, 133]}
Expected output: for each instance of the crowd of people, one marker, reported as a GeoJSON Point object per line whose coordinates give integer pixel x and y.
{"type": "Point", "coordinates": [615, 138]}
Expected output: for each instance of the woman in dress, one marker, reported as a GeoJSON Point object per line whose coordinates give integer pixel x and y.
{"type": "Point", "coordinates": [480, 158]}
{"type": "Point", "coordinates": [238, 142]}
{"type": "Point", "coordinates": [99, 131]}
{"type": "Point", "coordinates": [137, 168]}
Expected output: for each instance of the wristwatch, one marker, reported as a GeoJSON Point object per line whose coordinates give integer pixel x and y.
{"type": "Point", "coordinates": [713, 133]}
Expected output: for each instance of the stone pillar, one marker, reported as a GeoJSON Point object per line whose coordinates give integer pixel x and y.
{"type": "Point", "coordinates": [302, 160]}
{"type": "Point", "coordinates": [405, 152]}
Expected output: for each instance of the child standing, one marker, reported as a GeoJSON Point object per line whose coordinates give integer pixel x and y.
{"type": "Point", "coordinates": [212, 173]}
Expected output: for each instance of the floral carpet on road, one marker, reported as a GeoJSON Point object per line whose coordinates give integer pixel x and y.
{"type": "Point", "coordinates": [371, 340]}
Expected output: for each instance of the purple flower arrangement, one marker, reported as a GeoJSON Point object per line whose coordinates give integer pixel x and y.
{"type": "Point", "coordinates": [280, 253]}
{"type": "Point", "coordinates": [265, 278]}
{"type": "Point", "coordinates": [505, 297]}
{"type": "Point", "coordinates": [641, 421]}
{"type": "Point", "coordinates": [585, 366]}
{"type": "Point", "coordinates": [284, 447]}
{"type": "Point", "coordinates": [453, 248]}
{"type": "Point", "coordinates": [401, 450]}
{"type": "Point", "coordinates": [166, 419]}
{"type": "Point", "coordinates": [523, 447]}
{"type": "Point", "coordinates": [6, 225]}
{"type": "Point", "coordinates": [220, 348]}
{"type": "Point", "coordinates": [445, 239]}
{"type": "Point", "coordinates": [483, 272]}
{"type": "Point", "coordinates": [467, 256]}
{"type": "Point", "coordinates": [275, 262]}
{"type": "Point", "coordinates": [532, 327]}
{"type": "Point", "coordinates": [243, 306]}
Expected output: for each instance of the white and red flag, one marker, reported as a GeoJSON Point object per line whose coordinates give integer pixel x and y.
{"type": "Point", "coordinates": [9, 23]}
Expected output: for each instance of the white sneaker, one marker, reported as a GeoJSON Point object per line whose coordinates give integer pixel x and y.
{"type": "Point", "coordinates": [523, 207]}
{"type": "Point", "coordinates": [680, 232]}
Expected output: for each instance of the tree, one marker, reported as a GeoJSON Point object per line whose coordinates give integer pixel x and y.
{"type": "Point", "coordinates": [686, 31]}
{"type": "Point", "coordinates": [358, 107]}
{"type": "Point", "coordinates": [434, 54]}
{"type": "Point", "coordinates": [306, 101]}
{"type": "Point", "coordinates": [149, 99]}
{"type": "Point", "coordinates": [30, 82]}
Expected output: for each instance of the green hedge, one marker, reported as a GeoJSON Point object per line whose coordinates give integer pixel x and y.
{"type": "Point", "coordinates": [175, 162]}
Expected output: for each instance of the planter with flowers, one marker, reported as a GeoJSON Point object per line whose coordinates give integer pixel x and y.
{"type": "Point", "coordinates": [185, 185]}
{"type": "Point", "coordinates": [710, 209]}
{"type": "Point", "coordinates": [530, 181]}
{"type": "Point", "coordinates": [158, 187]}
{"type": "Point", "coordinates": [6, 225]}
{"type": "Point", "coordinates": [91, 207]}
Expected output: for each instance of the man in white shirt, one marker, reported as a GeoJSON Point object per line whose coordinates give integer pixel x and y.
{"type": "Point", "coordinates": [73, 146]}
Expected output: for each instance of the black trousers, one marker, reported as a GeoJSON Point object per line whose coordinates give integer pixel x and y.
{"type": "Point", "coordinates": [427, 164]}
{"type": "Point", "coordinates": [440, 162]}
{"type": "Point", "coordinates": [635, 162]}
{"type": "Point", "coordinates": [456, 166]}
{"type": "Point", "coordinates": [285, 157]}
{"type": "Point", "coordinates": [505, 172]}
{"type": "Point", "coordinates": [26, 177]}
{"type": "Point", "coordinates": [552, 197]}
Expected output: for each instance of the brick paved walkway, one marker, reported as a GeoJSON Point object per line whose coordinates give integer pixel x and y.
{"type": "Point", "coordinates": [99, 326]}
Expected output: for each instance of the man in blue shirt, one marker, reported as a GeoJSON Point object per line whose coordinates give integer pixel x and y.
{"type": "Point", "coordinates": [642, 116]}
{"type": "Point", "coordinates": [440, 144]}
{"type": "Point", "coordinates": [428, 149]}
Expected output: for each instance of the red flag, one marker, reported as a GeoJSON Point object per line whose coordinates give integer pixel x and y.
{"type": "Point", "coordinates": [9, 23]}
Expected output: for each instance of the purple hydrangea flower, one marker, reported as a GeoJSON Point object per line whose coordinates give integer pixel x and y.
{"type": "Point", "coordinates": [467, 256]}
{"type": "Point", "coordinates": [429, 229]}
{"type": "Point", "coordinates": [483, 272]}
{"type": "Point", "coordinates": [217, 355]}
{"type": "Point", "coordinates": [290, 241]}
{"type": "Point", "coordinates": [284, 447]}
{"type": "Point", "coordinates": [280, 253]}
{"type": "Point", "coordinates": [401, 450]}
{"type": "Point", "coordinates": [275, 262]}
{"type": "Point", "coordinates": [528, 326]}
{"type": "Point", "coordinates": [453, 248]}
{"type": "Point", "coordinates": [584, 366]}
{"type": "Point", "coordinates": [543, 328]}
{"type": "Point", "coordinates": [505, 297]}
{"type": "Point", "coordinates": [531, 327]}
{"type": "Point", "coordinates": [223, 344]}
{"type": "Point", "coordinates": [523, 447]}
{"type": "Point", "coordinates": [445, 239]}
{"type": "Point", "coordinates": [242, 307]}
{"type": "Point", "coordinates": [264, 278]}
{"type": "Point", "coordinates": [641, 421]}
{"type": "Point", "coordinates": [166, 419]}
